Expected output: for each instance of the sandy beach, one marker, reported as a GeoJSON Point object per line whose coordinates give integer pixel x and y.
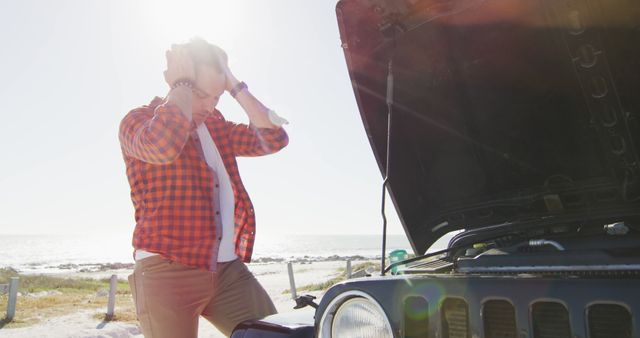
{"type": "Point", "coordinates": [86, 323]}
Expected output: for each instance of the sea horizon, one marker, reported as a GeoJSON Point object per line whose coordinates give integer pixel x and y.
{"type": "Point", "coordinates": [52, 253]}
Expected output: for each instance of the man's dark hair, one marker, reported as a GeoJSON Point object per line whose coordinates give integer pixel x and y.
{"type": "Point", "coordinates": [204, 53]}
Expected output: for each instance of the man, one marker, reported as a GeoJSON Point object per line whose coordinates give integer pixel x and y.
{"type": "Point", "coordinates": [195, 224]}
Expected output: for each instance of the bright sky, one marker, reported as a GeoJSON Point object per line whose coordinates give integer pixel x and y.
{"type": "Point", "coordinates": [72, 69]}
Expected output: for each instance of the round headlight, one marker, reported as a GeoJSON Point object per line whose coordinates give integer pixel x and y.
{"type": "Point", "coordinates": [354, 314]}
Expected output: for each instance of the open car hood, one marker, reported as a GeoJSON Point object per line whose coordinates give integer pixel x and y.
{"type": "Point", "coordinates": [504, 111]}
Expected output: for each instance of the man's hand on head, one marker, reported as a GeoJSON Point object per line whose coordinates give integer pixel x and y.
{"type": "Point", "coordinates": [231, 80]}
{"type": "Point", "coordinates": [179, 66]}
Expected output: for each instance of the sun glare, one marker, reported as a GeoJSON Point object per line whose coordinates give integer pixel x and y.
{"type": "Point", "coordinates": [176, 21]}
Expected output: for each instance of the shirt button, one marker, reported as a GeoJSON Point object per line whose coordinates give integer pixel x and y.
{"type": "Point", "coordinates": [217, 212]}
{"type": "Point", "coordinates": [219, 238]}
{"type": "Point", "coordinates": [217, 186]}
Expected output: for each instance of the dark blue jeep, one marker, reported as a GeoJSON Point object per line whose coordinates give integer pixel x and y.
{"type": "Point", "coordinates": [517, 124]}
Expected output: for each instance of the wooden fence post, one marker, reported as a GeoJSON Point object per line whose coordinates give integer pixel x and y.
{"type": "Point", "coordinates": [13, 298]}
{"type": "Point", "coordinates": [113, 286]}
{"type": "Point", "coordinates": [292, 282]}
{"type": "Point", "coordinates": [348, 269]}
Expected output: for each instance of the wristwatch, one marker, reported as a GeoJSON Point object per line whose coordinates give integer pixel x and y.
{"type": "Point", "coordinates": [237, 89]}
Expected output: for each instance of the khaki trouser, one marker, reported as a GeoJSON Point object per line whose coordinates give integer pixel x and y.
{"type": "Point", "coordinates": [170, 297]}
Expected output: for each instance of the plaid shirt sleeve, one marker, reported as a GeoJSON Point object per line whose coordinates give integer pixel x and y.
{"type": "Point", "coordinates": [155, 137]}
{"type": "Point", "coordinates": [249, 140]}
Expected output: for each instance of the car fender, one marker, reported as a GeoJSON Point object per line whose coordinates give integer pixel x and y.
{"type": "Point", "coordinates": [296, 324]}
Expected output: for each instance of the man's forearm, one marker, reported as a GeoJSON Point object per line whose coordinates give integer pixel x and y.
{"type": "Point", "coordinates": [182, 97]}
{"type": "Point", "coordinates": [257, 112]}
{"type": "Point", "coordinates": [154, 137]}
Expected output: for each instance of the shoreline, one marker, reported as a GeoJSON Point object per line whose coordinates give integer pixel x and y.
{"type": "Point", "coordinates": [92, 268]}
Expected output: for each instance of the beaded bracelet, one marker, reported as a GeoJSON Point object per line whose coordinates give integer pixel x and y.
{"type": "Point", "coordinates": [182, 82]}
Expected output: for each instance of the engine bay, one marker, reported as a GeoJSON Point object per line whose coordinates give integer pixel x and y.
{"type": "Point", "coordinates": [575, 249]}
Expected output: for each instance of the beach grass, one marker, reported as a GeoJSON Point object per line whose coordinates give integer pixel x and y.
{"type": "Point", "coordinates": [43, 296]}
{"type": "Point", "coordinates": [342, 276]}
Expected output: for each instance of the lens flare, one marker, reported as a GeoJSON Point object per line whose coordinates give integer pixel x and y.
{"type": "Point", "coordinates": [431, 291]}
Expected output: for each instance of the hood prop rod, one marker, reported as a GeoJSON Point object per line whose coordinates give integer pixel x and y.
{"type": "Point", "coordinates": [387, 165]}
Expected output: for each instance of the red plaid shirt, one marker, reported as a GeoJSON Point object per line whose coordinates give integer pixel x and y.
{"type": "Point", "coordinates": [172, 185]}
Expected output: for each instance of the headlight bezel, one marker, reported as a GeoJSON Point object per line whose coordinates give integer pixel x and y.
{"type": "Point", "coordinates": [326, 321]}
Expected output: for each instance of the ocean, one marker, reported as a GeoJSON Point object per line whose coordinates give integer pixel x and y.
{"type": "Point", "coordinates": [60, 253]}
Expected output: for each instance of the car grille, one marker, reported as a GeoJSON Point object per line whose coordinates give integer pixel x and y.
{"type": "Point", "coordinates": [416, 317]}
{"type": "Point", "coordinates": [455, 318]}
{"type": "Point", "coordinates": [609, 321]}
{"type": "Point", "coordinates": [499, 319]}
{"type": "Point", "coordinates": [550, 320]}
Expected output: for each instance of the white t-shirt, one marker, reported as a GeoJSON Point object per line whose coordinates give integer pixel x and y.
{"type": "Point", "coordinates": [226, 251]}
